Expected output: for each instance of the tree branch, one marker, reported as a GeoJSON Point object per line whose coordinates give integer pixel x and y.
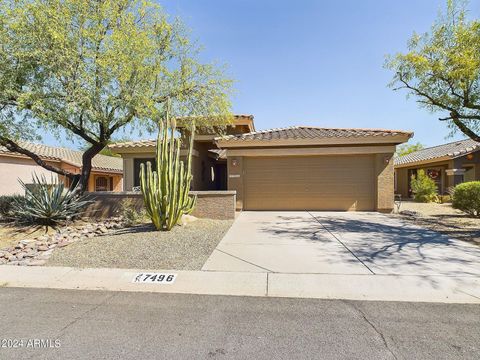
{"type": "Point", "coordinates": [14, 147]}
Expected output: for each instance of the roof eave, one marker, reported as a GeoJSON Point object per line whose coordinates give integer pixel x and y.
{"type": "Point", "coordinates": [223, 142]}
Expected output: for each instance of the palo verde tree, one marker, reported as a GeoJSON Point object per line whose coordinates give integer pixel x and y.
{"type": "Point", "coordinates": [441, 70]}
{"type": "Point", "coordinates": [88, 68]}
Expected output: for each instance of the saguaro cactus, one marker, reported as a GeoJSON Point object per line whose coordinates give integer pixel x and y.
{"type": "Point", "coordinates": [166, 188]}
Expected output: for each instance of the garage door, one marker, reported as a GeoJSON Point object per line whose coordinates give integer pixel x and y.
{"type": "Point", "coordinates": [309, 183]}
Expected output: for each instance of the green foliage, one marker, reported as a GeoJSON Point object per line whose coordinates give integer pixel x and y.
{"type": "Point", "coordinates": [6, 205]}
{"type": "Point", "coordinates": [423, 187]}
{"type": "Point", "coordinates": [406, 149]}
{"type": "Point", "coordinates": [443, 199]}
{"type": "Point", "coordinates": [130, 213]}
{"type": "Point", "coordinates": [91, 67]}
{"type": "Point", "coordinates": [466, 197]}
{"type": "Point", "coordinates": [166, 189]}
{"type": "Point", "coordinates": [48, 203]}
{"type": "Point", "coordinates": [441, 70]}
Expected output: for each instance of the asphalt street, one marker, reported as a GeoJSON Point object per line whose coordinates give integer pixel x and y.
{"type": "Point", "coordinates": [69, 324]}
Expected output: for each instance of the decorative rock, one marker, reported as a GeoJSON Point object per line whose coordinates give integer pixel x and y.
{"type": "Point", "coordinates": [103, 229]}
{"type": "Point", "coordinates": [27, 241]}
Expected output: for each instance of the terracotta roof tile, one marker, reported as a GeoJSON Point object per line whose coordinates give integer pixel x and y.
{"type": "Point", "coordinates": [450, 150]}
{"type": "Point", "coordinates": [74, 157]}
{"type": "Point", "coordinates": [311, 132]}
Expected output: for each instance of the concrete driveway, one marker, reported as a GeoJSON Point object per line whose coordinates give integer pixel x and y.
{"type": "Point", "coordinates": [339, 243]}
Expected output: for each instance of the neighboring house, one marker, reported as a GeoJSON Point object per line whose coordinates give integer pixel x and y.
{"type": "Point", "coordinates": [449, 165]}
{"type": "Point", "coordinates": [106, 175]}
{"type": "Point", "coordinates": [296, 168]}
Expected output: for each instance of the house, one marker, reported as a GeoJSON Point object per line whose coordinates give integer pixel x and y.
{"type": "Point", "coordinates": [106, 175]}
{"type": "Point", "coordinates": [449, 165]}
{"type": "Point", "coordinates": [295, 168]}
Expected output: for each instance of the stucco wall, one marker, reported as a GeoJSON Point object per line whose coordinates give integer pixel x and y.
{"type": "Point", "coordinates": [210, 204]}
{"type": "Point", "coordinates": [12, 169]}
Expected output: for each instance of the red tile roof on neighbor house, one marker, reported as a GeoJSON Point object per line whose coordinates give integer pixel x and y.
{"type": "Point", "coordinates": [69, 156]}
{"type": "Point", "coordinates": [440, 152]}
{"type": "Point", "coordinates": [312, 132]}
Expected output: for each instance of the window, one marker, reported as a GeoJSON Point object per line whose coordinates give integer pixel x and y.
{"type": "Point", "coordinates": [102, 183]}
{"type": "Point", "coordinates": [136, 169]}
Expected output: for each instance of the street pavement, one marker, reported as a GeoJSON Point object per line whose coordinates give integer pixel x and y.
{"type": "Point", "coordinates": [76, 324]}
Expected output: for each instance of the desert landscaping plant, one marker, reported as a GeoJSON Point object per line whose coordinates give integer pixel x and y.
{"type": "Point", "coordinates": [130, 213]}
{"type": "Point", "coordinates": [440, 70]}
{"type": "Point", "coordinates": [48, 203]}
{"type": "Point", "coordinates": [466, 197]}
{"type": "Point", "coordinates": [6, 206]}
{"type": "Point", "coordinates": [423, 187]}
{"type": "Point", "coordinates": [166, 188]}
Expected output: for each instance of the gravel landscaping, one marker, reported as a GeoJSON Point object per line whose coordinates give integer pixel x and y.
{"type": "Point", "coordinates": [141, 247]}
{"type": "Point", "coordinates": [442, 218]}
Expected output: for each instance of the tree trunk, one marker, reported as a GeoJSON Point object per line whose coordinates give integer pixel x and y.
{"type": "Point", "coordinates": [87, 166]}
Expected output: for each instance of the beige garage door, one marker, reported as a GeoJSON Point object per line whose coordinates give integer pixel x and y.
{"type": "Point", "coordinates": [309, 183]}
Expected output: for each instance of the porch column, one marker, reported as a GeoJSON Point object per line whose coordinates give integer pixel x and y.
{"type": "Point", "coordinates": [455, 176]}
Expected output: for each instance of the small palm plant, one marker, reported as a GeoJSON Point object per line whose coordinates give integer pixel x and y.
{"type": "Point", "coordinates": [166, 188]}
{"type": "Point", "coordinates": [48, 203]}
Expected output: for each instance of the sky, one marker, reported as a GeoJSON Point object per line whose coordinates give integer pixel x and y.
{"type": "Point", "coordinates": [316, 63]}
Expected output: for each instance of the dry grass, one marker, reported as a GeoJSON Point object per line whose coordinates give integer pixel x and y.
{"type": "Point", "coordinates": [11, 234]}
{"type": "Point", "coordinates": [445, 219]}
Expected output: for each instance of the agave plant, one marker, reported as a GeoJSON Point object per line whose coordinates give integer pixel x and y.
{"type": "Point", "coordinates": [48, 203]}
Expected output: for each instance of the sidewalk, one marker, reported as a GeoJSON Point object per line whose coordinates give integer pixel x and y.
{"type": "Point", "coordinates": [443, 289]}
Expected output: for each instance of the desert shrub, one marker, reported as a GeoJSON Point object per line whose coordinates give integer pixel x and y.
{"type": "Point", "coordinates": [424, 188]}
{"type": "Point", "coordinates": [442, 199]}
{"type": "Point", "coordinates": [47, 203]}
{"type": "Point", "coordinates": [6, 206]}
{"type": "Point", "coordinates": [466, 197]}
{"type": "Point", "coordinates": [130, 214]}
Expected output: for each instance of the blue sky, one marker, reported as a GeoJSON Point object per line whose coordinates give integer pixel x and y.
{"type": "Point", "coordinates": [312, 62]}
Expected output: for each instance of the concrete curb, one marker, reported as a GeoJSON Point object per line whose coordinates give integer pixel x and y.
{"type": "Point", "coordinates": [440, 289]}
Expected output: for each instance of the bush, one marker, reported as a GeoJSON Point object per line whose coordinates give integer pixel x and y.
{"type": "Point", "coordinates": [47, 203]}
{"type": "Point", "coordinates": [466, 197]}
{"type": "Point", "coordinates": [424, 188]}
{"type": "Point", "coordinates": [6, 206]}
{"type": "Point", "coordinates": [129, 213]}
{"type": "Point", "coordinates": [442, 199]}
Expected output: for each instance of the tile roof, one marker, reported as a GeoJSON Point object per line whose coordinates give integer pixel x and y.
{"type": "Point", "coordinates": [311, 132]}
{"type": "Point", "coordinates": [73, 157]}
{"type": "Point", "coordinates": [134, 144]}
{"type": "Point", "coordinates": [450, 150]}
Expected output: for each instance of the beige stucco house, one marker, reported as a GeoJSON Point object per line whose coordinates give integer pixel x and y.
{"type": "Point", "coordinates": [295, 168]}
{"type": "Point", "coordinates": [106, 175]}
{"type": "Point", "coordinates": [448, 164]}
